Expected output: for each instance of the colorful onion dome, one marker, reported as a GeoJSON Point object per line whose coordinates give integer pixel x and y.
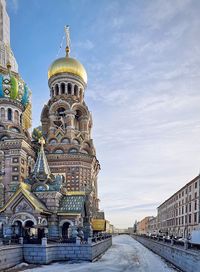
{"type": "Point", "coordinates": [14, 88]}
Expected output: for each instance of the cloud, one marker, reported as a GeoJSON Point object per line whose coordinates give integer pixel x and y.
{"type": "Point", "coordinates": [147, 126]}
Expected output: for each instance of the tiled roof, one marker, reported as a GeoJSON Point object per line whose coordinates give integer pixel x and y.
{"type": "Point", "coordinates": [72, 204]}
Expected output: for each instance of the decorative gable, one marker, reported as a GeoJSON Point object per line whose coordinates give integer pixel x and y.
{"type": "Point", "coordinates": [23, 206]}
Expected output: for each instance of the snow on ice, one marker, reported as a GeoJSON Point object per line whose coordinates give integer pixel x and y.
{"type": "Point", "coordinates": [125, 255]}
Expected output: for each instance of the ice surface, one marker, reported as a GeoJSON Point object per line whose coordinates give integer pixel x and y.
{"type": "Point", "coordinates": [125, 255]}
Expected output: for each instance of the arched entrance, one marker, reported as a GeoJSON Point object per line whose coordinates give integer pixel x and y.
{"type": "Point", "coordinates": [17, 229]}
{"type": "Point", "coordinates": [65, 230]}
{"type": "Point", "coordinates": [28, 230]}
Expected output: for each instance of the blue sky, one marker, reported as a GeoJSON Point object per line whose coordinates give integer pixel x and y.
{"type": "Point", "coordinates": [143, 65]}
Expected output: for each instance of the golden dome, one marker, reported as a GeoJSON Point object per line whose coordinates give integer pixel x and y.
{"type": "Point", "coordinates": [67, 65]}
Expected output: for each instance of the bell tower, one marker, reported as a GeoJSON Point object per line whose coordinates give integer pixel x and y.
{"type": "Point", "coordinates": [66, 125]}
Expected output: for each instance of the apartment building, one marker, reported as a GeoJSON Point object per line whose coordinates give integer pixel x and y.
{"type": "Point", "coordinates": [179, 214]}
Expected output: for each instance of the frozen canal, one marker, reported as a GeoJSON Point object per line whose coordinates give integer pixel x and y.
{"type": "Point", "coordinates": [126, 254]}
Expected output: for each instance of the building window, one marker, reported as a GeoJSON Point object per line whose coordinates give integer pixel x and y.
{"type": "Point", "coordinates": [15, 178]}
{"type": "Point", "coordinates": [195, 185]}
{"type": "Point", "coordinates": [15, 169]}
{"type": "Point", "coordinates": [15, 160]}
{"type": "Point", "coordinates": [195, 205]}
{"type": "Point", "coordinates": [195, 195]}
{"type": "Point", "coordinates": [189, 218]}
{"type": "Point", "coordinates": [189, 207]}
{"type": "Point", "coordinates": [9, 114]}
{"type": "Point", "coordinates": [195, 217]}
{"type": "Point", "coordinates": [186, 219]}
{"type": "Point", "coordinates": [186, 208]}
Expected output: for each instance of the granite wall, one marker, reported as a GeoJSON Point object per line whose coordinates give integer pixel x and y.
{"type": "Point", "coordinates": [187, 260]}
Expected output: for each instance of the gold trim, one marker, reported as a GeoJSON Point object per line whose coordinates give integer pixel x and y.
{"type": "Point", "coordinates": [29, 198]}
{"type": "Point", "coordinates": [68, 213]}
{"type": "Point", "coordinates": [75, 193]}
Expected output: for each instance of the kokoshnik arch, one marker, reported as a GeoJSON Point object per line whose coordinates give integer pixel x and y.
{"type": "Point", "coordinates": [47, 186]}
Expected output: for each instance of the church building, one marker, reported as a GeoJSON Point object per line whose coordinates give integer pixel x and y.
{"type": "Point", "coordinates": [48, 188]}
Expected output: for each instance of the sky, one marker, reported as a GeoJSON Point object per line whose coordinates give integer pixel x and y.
{"type": "Point", "coordinates": [143, 63]}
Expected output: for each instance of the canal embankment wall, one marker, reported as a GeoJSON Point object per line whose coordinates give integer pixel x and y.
{"type": "Point", "coordinates": [188, 260]}
{"type": "Point", "coordinates": [11, 255]}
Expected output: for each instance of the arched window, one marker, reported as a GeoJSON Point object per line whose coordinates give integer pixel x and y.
{"type": "Point", "coordinates": [69, 88]}
{"type": "Point", "coordinates": [52, 92]}
{"type": "Point", "coordinates": [75, 90]}
{"type": "Point", "coordinates": [61, 111]}
{"type": "Point", "coordinates": [58, 151]}
{"type": "Point", "coordinates": [65, 141]}
{"type": "Point", "coordinates": [53, 141]}
{"type": "Point", "coordinates": [84, 151]}
{"type": "Point", "coordinates": [62, 86]}
{"type": "Point", "coordinates": [2, 114]}
{"type": "Point", "coordinates": [76, 142]}
{"type": "Point", "coordinates": [21, 119]}
{"type": "Point", "coordinates": [9, 115]}
{"type": "Point", "coordinates": [4, 138]}
{"type": "Point", "coordinates": [14, 129]}
{"type": "Point", "coordinates": [16, 117]}
{"type": "Point", "coordinates": [73, 150]}
{"type": "Point", "coordinates": [56, 90]}
{"type": "Point", "coordinates": [81, 93]}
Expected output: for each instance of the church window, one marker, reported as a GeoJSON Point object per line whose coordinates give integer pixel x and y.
{"type": "Point", "coordinates": [62, 86]}
{"type": "Point", "coordinates": [14, 129]}
{"type": "Point", "coordinates": [20, 118]}
{"type": "Point", "coordinates": [69, 88]}
{"type": "Point", "coordinates": [75, 90]}
{"type": "Point", "coordinates": [65, 141]}
{"type": "Point", "coordinates": [73, 150]}
{"type": "Point", "coordinates": [81, 93]}
{"type": "Point", "coordinates": [15, 160]}
{"type": "Point", "coordinates": [76, 142]}
{"type": "Point", "coordinates": [61, 111]}
{"type": "Point", "coordinates": [15, 178]}
{"type": "Point", "coordinates": [16, 117]}
{"type": "Point", "coordinates": [84, 151]}
{"type": "Point", "coordinates": [9, 114]}
{"type": "Point", "coordinates": [53, 141]}
{"type": "Point", "coordinates": [56, 90]}
{"type": "Point", "coordinates": [15, 169]}
{"type": "Point", "coordinates": [2, 114]}
{"type": "Point", "coordinates": [4, 138]}
{"type": "Point", "coordinates": [58, 151]}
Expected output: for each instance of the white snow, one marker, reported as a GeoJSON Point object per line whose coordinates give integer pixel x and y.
{"type": "Point", "coordinates": [125, 255]}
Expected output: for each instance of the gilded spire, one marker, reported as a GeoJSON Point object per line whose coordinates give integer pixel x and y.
{"type": "Point", "coordinates": [67, 40]}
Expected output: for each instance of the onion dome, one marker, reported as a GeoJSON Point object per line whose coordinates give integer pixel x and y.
{"type": "Point", "coordinates": [14, 88]}
{"type": "Point", "coordinates": [67, 64]}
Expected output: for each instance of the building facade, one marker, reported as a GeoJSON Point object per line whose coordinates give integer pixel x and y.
{"type": "Point", "coordinates": [179, 214]}
{"type": "Point", "coordinates": [47, 188]}
{"type": "Point", "coordinates": [143, 225]}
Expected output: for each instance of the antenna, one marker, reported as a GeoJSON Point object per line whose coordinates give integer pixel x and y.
{"type": "Point", "coordinates": [67, 40]}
